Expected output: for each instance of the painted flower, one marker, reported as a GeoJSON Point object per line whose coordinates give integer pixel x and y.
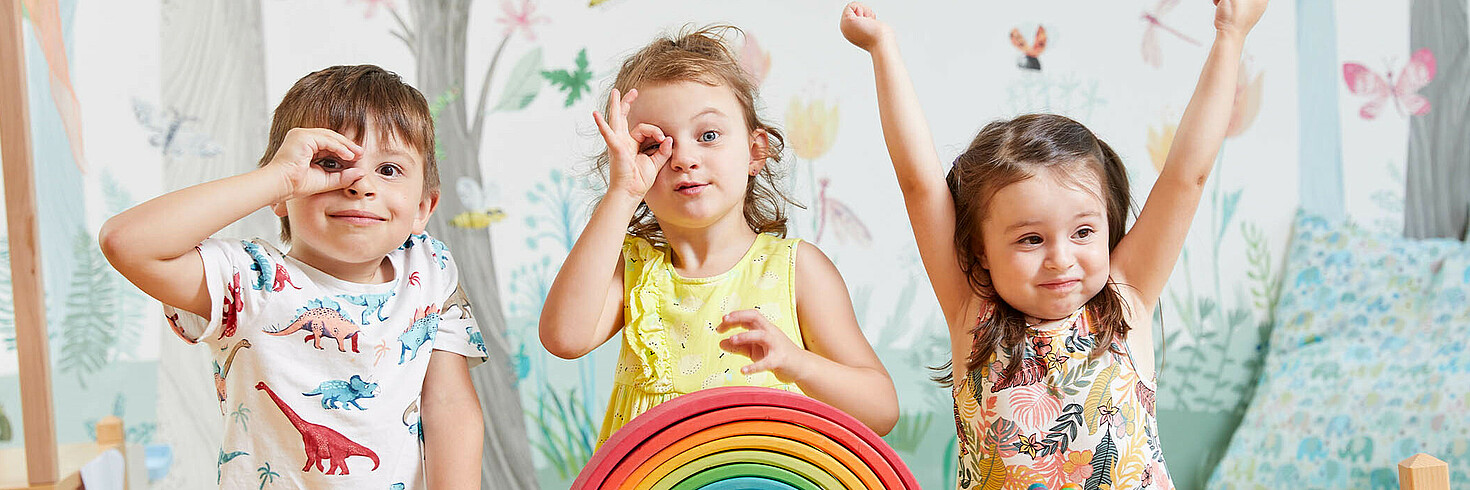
{"type": "Point", "coordinates": [521, 20]}
{"type": "Point", "coordinates": [1029, 446]}
{"type": "Point", "coordinates": [754, 60]}
{"type": "Point", "coordinates": [1159, 141]}
{"type": "Point", "coordinates": [1078, 465]}
{"type": "Point", "coordinates": [811, 127]}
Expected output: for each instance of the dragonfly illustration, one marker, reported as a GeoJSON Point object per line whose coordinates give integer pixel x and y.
{"type": "Point", "coordinates": [1151, 52]}
{"type": "Point", "coordinates": [167, 132]}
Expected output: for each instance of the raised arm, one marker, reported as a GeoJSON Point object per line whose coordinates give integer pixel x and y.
{"type": "Point", "coordinates": [152, 244]}
{"type": "Point", "coordinates": [910, 146]}
{"type": "Point", "coordinates": [584, 307]}
{"type": "Point", "coordinates": [1146, 255]}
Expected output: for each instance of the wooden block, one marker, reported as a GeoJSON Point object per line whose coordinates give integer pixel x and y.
{"type": "Point", "coordinates": [1423, 472]}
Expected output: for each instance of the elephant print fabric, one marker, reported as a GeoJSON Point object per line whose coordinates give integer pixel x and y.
{"type": "Point", "coordinates": [294, 353]}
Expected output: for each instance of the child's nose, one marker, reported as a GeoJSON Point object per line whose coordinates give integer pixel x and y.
{"type": "Point", "coordinates": [363, 187]}
{"type": "Point", "coordinates": [684, 159]}
{"type": "Point", "coordinates": [1059, 258]}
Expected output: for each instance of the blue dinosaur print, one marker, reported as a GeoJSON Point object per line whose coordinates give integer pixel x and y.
{"type": "Point", "coordinates": [323, 302]}
{"type": "Point", "coordinates": [441, 252]}
{"type": "Point", "coordinates": [372, 303]}
{"type": "Point", "coordinates": [261, 266]}
{"type": "Point", "coordinates": [346, 393]}
{"type": "Point", "coordinates": [225, 457]}
{"type": "Point", "coordinates": [407, 244]}
{"type": "Point", "coordinates": [476, 339]}
{"type": "Point", "coordinates": [425, 326]}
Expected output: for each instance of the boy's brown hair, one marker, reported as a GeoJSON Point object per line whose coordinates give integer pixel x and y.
{"type": "Point", "coordinates": [342, 98]}
{"type": "Point", "coordinates": [702, 56]}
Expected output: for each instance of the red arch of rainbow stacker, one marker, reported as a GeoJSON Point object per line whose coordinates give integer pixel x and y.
{"type": "Point", "coordinates": [744, 434]}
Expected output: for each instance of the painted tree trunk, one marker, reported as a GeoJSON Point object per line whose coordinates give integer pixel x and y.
{"type": "Point", "coordinates": [212, 63]}
{"type": "Point", "coordinates": [1437, 178]}
{"type": "Point", "coordinates": [437, 38]}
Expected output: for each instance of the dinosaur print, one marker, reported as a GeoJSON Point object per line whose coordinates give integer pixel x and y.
{"type": "Point", "coordinates": [221, 373]}
{"type": "Point", "coordinates": [282, 279]}
{"type": "Point", "coordinates": [425, 326]}
{"type": "Point", "coordinates": [323, 319]}
{"type": "Point", "coordinates": [414, 421]}
{"type": "Point", "coordinates": [477, 340]}
{"type": "Point", "coordinates": [225, 457]}
{"type": "Point", "coordinates": [173, 323]}
{"type": "Point", "coordinates": [230, 318]}
{"type": "Point", "coordinates": [458, 300]}
{"type": "Point", "coordinates": [441, 252]}
{"type": "Point", "coordinates": [372, 303]}
{"type": "Point", "coordinates": [320, 442]}
{"type": "Point", "coordinates": [261, 266]}
{"type": "Point", "coordinates": [438, 250]}
{"type": "Point", "coordinates": [347, 393]}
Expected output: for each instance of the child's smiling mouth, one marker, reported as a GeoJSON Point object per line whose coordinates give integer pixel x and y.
{"type": "Point", "coordinates": [357, 217]}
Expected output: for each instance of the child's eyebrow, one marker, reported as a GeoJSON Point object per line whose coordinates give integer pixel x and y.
{"type": "Point", "coordinates": [1030, 222]}
{"type": "Point", "coordinates": [397, 155]}
{"type": "Point", "coordinates": [708, 111]}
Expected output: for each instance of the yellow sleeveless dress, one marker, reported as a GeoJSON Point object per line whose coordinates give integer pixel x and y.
{"type": "Point", "coordinates": [669, 342]}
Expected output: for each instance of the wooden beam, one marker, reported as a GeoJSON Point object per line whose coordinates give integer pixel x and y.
{"type": "Point", "coordinates": [25, 258]}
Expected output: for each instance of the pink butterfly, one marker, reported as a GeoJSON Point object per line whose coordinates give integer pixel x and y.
{"type": "Point", "coordinates": [1415, 75]}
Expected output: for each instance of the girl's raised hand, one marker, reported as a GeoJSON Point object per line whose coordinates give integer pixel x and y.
{"type": "Point", "coordinates": [861, 27]}
{"type": "Point", "coordinates": [314, 160]}
{"type": "Point", "coordinates": [635, 156]}
{"type": "Point", "coordinates": [764, 343]}
{"type": "Point", "coordinates": [1237, 17]}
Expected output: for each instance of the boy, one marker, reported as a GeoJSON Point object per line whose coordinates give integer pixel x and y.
{"type": "Point", "coordinates": [331, 345]}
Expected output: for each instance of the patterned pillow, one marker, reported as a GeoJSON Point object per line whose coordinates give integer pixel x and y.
{"type": "Point", "coordinates": [1367, 364]}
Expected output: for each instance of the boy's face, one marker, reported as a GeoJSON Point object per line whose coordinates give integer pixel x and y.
{"type": "Point", "coordinates": [366, 220]}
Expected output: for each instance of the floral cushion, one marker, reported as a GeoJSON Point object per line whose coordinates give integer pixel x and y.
{"type": "Point", "coordinates": [1367, 364]}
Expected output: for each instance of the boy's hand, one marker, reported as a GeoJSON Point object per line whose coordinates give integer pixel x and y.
{"type": "Point", "coordinates": [861, 27]}
{"type": "Point", "coordinates": [636, 156]}
{"type": "Point", "coordinates": [1237, 17]}
{"type": "Point", "coordinates": [763, 343]}
{"type": "Point", "coordinates": [314, 160]}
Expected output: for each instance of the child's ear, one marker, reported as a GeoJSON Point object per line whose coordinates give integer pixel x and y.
{"type": "Point", "coordinates": [279, 208]}
{"type": "Point", "coordinates": [427, 205]}
{"type": "Point", "coordinates": [760, 151]}
{"type": "Point", "coordinates": [984, 262]}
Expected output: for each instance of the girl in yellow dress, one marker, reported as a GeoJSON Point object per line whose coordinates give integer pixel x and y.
{"type": "Point", "coordinates": [685, 253]}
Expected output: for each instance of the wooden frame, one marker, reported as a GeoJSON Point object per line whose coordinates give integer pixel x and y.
{"type": "Point", "coordinates": [25, 258]}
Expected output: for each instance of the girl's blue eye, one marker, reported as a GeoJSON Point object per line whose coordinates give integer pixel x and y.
{"type": "Point", "coordinates": [329, 164]}
{"type": "Point", "coordinates": [708, 136]}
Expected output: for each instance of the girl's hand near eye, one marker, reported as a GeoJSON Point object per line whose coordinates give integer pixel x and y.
{"type": "Point", "coordinates": [315, 160]}
{"type": "Point", "coordinates": [635, 156]}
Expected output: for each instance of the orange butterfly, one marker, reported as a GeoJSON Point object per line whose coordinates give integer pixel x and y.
{"type": "Point", "coordinates": [1030, 52]}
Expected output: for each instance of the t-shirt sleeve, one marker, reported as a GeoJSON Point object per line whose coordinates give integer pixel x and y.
{"type": "Point", "coordinates": [458, 331]}
{"type": "Point", "coordinates": [229, 276]}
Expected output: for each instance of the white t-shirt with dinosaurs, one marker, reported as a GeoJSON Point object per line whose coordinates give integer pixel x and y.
{"type": "Point", "coordinates": [319, 378]}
